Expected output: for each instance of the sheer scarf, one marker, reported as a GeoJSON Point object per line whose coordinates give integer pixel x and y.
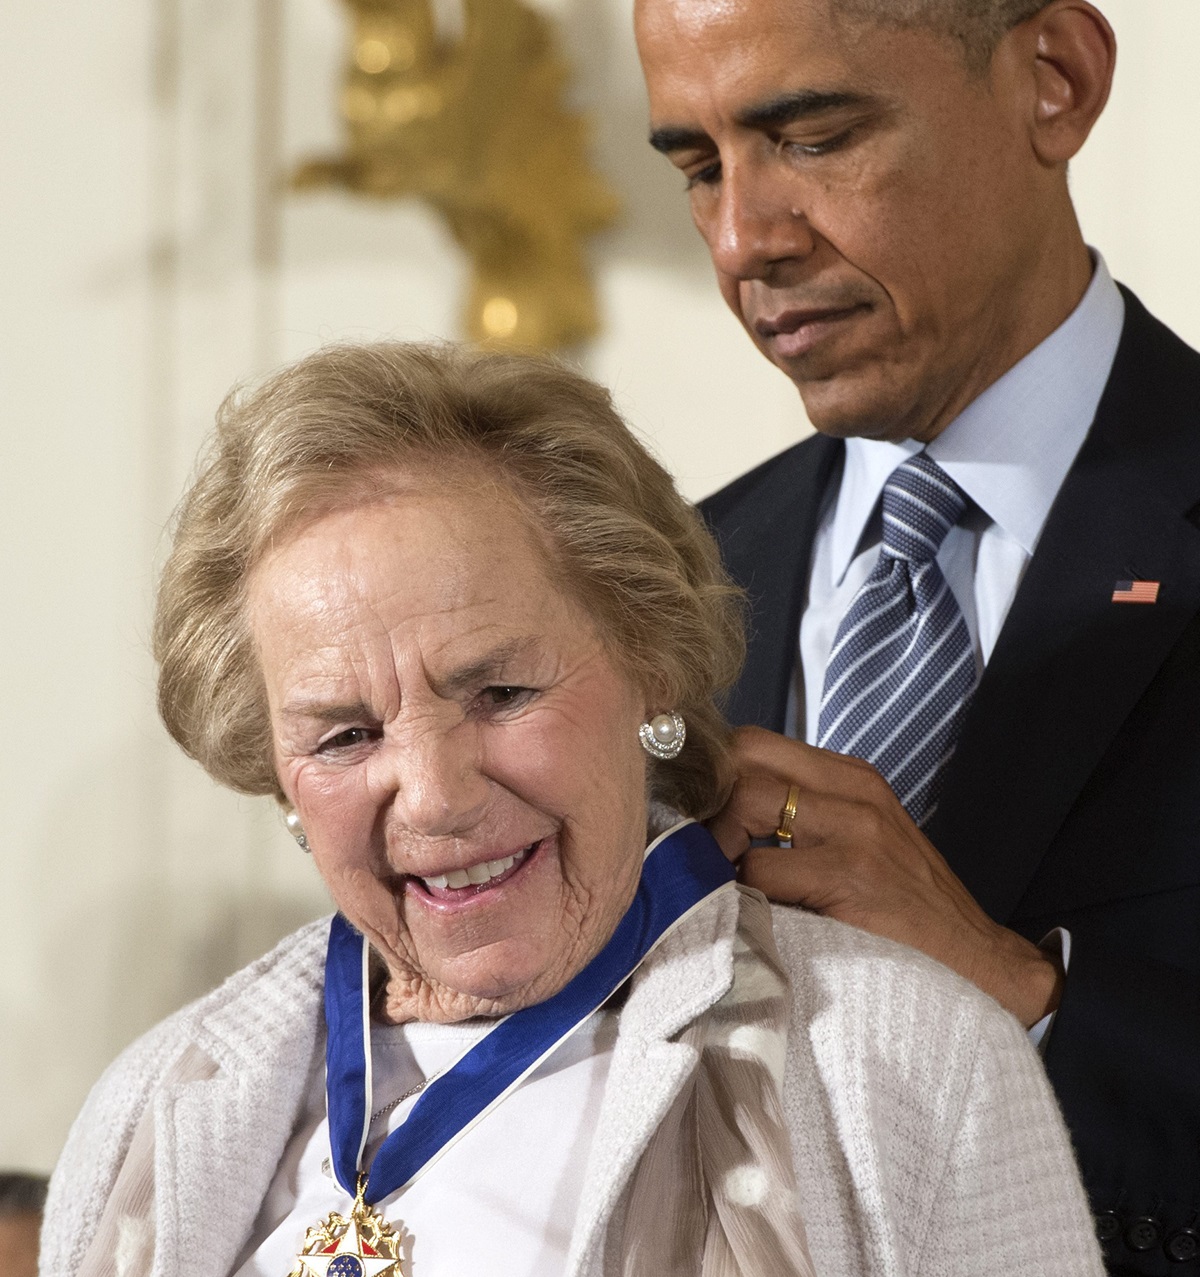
{"type": "Point", "coordinates": [715, 1192]}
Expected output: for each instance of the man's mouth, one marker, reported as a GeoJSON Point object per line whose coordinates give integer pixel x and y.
{"type": "Point", "coordinates": [796, 331]}
{"type": "Point", "coordinates": [478, 877]}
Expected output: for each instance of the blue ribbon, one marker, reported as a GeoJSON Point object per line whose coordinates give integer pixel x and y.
{"type": "Point", "coordinates": [682, 868]}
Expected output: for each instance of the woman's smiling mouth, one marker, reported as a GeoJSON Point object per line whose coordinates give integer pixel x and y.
{"type": "Point", "coordinates": [474, 880]}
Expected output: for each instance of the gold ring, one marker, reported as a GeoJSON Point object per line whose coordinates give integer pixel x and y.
{"type": "Point", "coordinates": [788, 814]}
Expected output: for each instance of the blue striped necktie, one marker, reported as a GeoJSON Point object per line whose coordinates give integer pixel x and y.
{"type": "Point", "coordinates": [902, 669]}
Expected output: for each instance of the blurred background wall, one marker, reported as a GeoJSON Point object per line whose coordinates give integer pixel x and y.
{"type": "Point", "coordinates": [148, 260]}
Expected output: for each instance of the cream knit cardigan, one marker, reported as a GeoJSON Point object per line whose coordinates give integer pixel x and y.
{"type": "Point", "coordinates": [926, 1139]}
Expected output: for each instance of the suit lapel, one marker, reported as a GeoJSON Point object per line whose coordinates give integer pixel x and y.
{"type": "Point", "coordinates": [1070, 664]}
{"type": "Point", "coordinates": [766, 523]}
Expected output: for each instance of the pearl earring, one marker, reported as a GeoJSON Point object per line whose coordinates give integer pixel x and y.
{"type": "Point", "coordinates": [296, 829]}
{"type": "Point", "coordinates": [663, 735]}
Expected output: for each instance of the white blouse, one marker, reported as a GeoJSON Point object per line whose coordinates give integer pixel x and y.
{"type": "Point", "coordinates": [502, 1200]}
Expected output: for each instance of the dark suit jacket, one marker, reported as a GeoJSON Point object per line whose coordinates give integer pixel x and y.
{"type": "Point", "coordinates": [1073, 797]}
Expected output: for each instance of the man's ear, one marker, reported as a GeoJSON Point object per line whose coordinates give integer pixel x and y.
{"type": "Point", "coordinates": [1072, 53]}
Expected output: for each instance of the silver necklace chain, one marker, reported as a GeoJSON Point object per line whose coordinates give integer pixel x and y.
{"type": "Point", "coordinates": [378, 998]}
{"type": "Point", "coordinates": [327, 1163]}
{"type": "Point", "coordinates": [412, 1090]}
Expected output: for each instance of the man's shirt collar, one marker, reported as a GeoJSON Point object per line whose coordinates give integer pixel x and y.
{"type": "Point", "coordinates": [1010, 449]}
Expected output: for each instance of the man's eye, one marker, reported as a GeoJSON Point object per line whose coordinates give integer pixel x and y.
{"type": "Point", "coordinates": [704, 177]}
{"type": "Point", "coordinates": [826, 147]}
{"type": "Point", "coordinates": [348, 739]}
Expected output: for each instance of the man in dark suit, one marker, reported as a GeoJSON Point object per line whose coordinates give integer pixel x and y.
{"type": "Point", "coordinates": [983, 573]}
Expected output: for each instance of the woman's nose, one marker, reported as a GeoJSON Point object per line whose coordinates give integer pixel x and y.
{"type": "Point", "coordinates": [433, 770]}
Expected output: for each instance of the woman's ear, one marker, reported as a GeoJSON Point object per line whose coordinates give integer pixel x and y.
{"type": "Point", "coordinates": [1072, 53]}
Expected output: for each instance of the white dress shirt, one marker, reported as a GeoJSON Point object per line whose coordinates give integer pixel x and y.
{"type": "Point", "coordinates": [1009, 451]}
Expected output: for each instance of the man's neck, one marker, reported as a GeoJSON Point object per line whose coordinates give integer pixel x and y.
{"type": "Point", "coordinates": [1055, 286]}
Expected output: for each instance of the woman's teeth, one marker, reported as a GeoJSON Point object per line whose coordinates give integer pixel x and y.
{"type": "Point", "coordinates": [476, 875]}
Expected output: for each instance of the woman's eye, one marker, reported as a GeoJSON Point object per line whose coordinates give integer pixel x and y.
{"type": "Point", "coordinates": [504, 697]}
{"type": "Point", "coordinates": [348, 739]}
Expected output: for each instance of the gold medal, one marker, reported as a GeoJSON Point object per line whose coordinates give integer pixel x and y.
{"type": "Point", "coordinates": [362, 1244]}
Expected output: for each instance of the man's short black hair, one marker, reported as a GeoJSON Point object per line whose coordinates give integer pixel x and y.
{"type": "Point", "coordinates": [978, 25]}
{"type": "Point", "coordinates": [21, 1193]}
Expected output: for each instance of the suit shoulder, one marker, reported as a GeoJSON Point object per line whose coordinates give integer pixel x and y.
{"type": "Point", "coordinates": [1155, 386]}
{"type": "Point", "coordinates": [1155, 340]}
{"type": "Point", "coordinates": [775, 476]}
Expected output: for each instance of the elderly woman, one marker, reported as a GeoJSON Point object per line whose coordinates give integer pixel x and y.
{"type": "Point", "coordinates": [445, 609]}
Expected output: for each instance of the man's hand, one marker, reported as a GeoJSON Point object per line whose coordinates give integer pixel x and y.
{"type": "Point", "coordinates": [857, 856]}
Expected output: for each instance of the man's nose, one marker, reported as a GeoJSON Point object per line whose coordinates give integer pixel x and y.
{"type": "Point", "coordinates": [758, 222]}
{"type": "Point", "coordinates": [434, 772]}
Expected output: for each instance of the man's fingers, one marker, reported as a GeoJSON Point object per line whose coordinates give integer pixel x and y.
{"type": "Point", "coordinates": [753, 811]}
{"type": "Point", "coordinates": [787, 876]}
{"type": "Point", "coordinates": [822, 821]}
{"type": "Point", "coordinates": [755, 808]}
{"type": "Point", "coordinates": [757, 750]}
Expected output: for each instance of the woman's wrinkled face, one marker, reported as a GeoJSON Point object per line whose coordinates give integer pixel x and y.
{"type": "Point", "coordinates": [459, 745]}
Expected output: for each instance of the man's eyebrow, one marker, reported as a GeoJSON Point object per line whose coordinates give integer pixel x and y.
{"type": "Point", "coordinates": [786, 109]}
{"type": "Point", "coordinates": [791, 107]}
{"type": "Point", "coordinates": [668, 140]}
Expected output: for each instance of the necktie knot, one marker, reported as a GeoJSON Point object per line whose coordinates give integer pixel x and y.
{"type": "Point", "coordinates": [921, 503]}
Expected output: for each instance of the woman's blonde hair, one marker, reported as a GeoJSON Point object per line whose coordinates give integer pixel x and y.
{"type": "Point", "coordinates": [330, 431]}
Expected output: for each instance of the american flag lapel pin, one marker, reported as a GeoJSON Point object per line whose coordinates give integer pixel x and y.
{"type": "Point", "coordinates": [1135, 592]}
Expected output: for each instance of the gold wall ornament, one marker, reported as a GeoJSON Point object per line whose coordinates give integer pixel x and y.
{"type": "Point", "coordinates": [476, 126]}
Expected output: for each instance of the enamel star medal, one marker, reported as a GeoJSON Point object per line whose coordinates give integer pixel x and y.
{"type": "Point", "coordinates": [362, 1244]}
